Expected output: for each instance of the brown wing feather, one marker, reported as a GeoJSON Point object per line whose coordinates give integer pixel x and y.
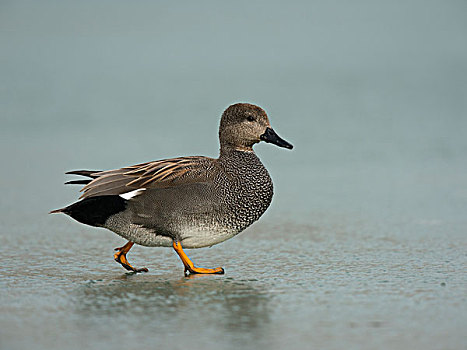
{"type": "Point", "coordinates": [157, 174]}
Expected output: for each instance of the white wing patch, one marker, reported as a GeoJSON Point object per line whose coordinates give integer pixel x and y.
{"type": "Point", "coordinates": [132, 194]}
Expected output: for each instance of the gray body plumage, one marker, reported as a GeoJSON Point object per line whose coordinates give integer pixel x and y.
{"type": "Point", "coordinates": [237, 192]}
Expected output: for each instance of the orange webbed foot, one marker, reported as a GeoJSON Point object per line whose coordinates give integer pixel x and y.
{"type": "Point", "coordinates": [190, 267]}
{"type": "Point", "coordinates": [120, 257]}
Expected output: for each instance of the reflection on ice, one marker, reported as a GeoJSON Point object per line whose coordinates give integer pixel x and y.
{"type": "Point", "coordinates": [227, 304]}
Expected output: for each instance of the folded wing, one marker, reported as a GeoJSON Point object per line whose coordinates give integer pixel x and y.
{"type": "Point", "coordinates": [158, 174]}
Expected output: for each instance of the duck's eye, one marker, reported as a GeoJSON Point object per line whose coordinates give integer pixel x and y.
{"type": "Point", "coordinates": [250, 118]}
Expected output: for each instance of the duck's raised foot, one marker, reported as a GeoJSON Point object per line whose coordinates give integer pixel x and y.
{"type": "Point", "coordinates": [120, 257]}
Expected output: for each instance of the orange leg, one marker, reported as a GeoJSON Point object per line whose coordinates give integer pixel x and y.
{"type": "Point", "coordinates": [120, 257]}
{"type": "Point", "coordinates": [189, 266]}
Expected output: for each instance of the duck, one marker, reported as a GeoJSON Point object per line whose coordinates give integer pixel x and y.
{"type": "Point", "coordinates": [185, 202]}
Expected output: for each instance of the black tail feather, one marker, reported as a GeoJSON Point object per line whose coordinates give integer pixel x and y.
{"type": "Point", "coordinates": [87, 173]}
{"type": "Point", "coordinates": [94, 211]}
{"type": "Point", "coordinates": [78, 182]}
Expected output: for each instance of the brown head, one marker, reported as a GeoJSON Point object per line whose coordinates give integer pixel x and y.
{"type": "Point", "coordinates": [243, 125]}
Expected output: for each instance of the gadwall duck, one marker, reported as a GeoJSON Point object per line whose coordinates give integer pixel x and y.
{"type": "Point", "coordinates": [192, 202]}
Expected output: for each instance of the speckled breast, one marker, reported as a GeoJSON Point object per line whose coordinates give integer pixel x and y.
{"type": "Point", "coordinates": [248, 193]}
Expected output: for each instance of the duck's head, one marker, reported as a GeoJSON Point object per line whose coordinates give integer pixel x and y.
{"type": "Point", "coordinates": [243, 125]}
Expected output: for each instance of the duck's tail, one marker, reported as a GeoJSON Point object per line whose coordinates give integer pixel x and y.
{"type": "Point", "coordinates": [94, 211]}
{"type": "Point", "coordinates": [86, 173]}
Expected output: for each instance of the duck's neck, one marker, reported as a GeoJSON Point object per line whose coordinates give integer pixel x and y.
{"type": "Point", "coordinates": [239, 162]}
{"type": "Point", "coordinates": [227, 150]}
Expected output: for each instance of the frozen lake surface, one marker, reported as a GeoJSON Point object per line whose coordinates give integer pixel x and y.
{"type": "Point", "coordinates": [335, 286]}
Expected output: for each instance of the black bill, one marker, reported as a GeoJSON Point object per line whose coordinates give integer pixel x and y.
{"type": "Point", "coordinates": [270, 136]}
